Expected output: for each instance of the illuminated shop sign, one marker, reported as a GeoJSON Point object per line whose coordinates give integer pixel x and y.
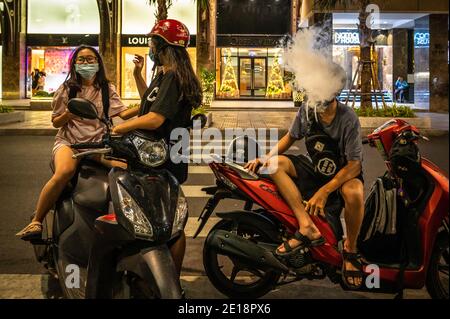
{"type": "Point", "coordinates": [140, 40]}
{"type": "Point", "coordinates": [421, 39]}
{"type": "Point", "coordinates": [248, 41]}
{"type": "Point", "coordinates": [69, 40]}
{"type": "Point", "coordinates": [346, 37]}
{"type": "Point", "coordinates": [351, 37]}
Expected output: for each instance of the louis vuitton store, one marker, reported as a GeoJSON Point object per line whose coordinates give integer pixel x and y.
{"type": "Point", "coordinates": [54, 30]}
{"type": "Point", "coordinates": [137, 21]}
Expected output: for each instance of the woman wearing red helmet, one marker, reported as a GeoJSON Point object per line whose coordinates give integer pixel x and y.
{"type": "Point", "coordinates": [167, 103]}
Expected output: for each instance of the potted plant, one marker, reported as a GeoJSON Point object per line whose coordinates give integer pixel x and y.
{"type": "Point", "coordinates": [298, 95]}
{"type": "Point", "coordinates": [207, 80]}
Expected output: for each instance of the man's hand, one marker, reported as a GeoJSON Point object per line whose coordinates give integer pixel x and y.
{"type": "Point", "coordinates": [316, 204]}
{"type": "Point", "coordinates": [254, 165]}
{"type": "Point", "coordinates": [138, 64]}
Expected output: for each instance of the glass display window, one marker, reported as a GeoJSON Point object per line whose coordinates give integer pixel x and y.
{"type": "Point", "coordinates": [48, 69]}
{"type": "Point", "coordinates": [128, 88]}
{"type": "Point", "coordinates": [63, 17]}
{"type": "Point", "coordinates": [139, 17]}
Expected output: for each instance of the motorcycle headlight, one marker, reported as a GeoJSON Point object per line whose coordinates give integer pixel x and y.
{"type": "Point", "coordinates": [151, 153]}
{"type": "Point", "coordinates": [181, 213]}
{"type": "Point", "coordinates": [134, 214]}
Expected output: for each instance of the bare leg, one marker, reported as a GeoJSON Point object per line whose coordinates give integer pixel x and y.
{"type": "Point", "coordinates": [177, 250]}
{"type": "Point", "coordinates": [286, 186]}
{"type": "Point", "coordinates": [353, 194]}
{"type": "Point", "coordinates": [65, 167]}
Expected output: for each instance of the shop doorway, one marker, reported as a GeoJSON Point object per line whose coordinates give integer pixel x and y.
{"type": "Point", "coordinates": [252, 76]}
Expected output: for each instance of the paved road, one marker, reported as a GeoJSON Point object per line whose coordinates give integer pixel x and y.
{"type": "Point", "coordinates": [24, 169]}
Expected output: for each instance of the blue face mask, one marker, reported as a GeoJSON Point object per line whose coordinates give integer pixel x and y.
{"type": "Point", "coordinates": [151, 55]}
{"type": "Point", "coordinates": [87, 71]}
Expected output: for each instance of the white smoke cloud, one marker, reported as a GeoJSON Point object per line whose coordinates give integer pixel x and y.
{"type": "Point", "coordinates": [314, 71]}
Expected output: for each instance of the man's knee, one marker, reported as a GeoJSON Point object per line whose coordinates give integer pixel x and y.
{"type": "Point", "coordinates": [279, 164]}
{"type": "Point", "coordinates": [353, 191]}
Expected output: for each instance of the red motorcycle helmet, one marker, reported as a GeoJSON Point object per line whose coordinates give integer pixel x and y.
{"type": "Point", "coordinates": [172, 31]}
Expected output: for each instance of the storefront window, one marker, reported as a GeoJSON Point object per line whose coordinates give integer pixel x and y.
{"type": "Point", "coordinates": [251, 73]}
{"type": "Point", "coordinates": [139, 16]}
{"type": "Point", "coordinates": [421, 68]}
{"type": "Point", "coordinates": [346, 53]}
{"type": "Point", "coordinates": [55, 28]}
{"type": "Point", "coordinates": [63, 17]}
{"type": "Point", "coordinates": [48, 69]}
{"type": "Point", "coordinates": [129, 89]}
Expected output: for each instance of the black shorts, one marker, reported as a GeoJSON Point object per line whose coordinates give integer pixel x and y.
{"type": "Point", "coordinates": [308, 183]}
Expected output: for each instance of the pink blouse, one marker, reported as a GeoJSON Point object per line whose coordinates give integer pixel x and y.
{"type": "Point", "coordinates": [80, 130]}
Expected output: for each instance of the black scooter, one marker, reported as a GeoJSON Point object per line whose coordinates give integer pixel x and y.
{"type": "Point", "coordinates": [110, 232]}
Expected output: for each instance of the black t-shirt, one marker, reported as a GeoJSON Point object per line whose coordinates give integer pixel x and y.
{"type": "Point", "coordinates": [163, 96]}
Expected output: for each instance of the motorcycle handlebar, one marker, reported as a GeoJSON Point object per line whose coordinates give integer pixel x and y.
{"type": "Point", "coordinates": [81, 146]}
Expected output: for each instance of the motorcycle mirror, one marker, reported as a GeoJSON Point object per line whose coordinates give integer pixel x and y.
{"type": "Point", "coordinates": [83, 108]}
{"type": "Point", "coordinates": [199, 117]}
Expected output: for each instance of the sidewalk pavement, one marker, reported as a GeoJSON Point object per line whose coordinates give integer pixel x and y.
{"type": "Point", "coordinates": [39, 122]}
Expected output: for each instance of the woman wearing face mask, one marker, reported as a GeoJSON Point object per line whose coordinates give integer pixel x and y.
{"type": "Point", "coordinates": [167, 103]}
{"type": "Point", "coordinates": [86, 79]}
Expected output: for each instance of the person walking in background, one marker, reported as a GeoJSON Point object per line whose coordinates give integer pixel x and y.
{"type": "Point", "coordinates": [400, 88]}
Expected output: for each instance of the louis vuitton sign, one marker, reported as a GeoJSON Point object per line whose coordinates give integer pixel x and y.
{"type": "Point", "coordinates": [249, 41]}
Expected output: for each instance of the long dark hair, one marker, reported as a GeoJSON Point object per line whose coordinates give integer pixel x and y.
{"type": "Point", "coordinates": [73, 79]}
{"type": "Point", "coordinates": [190, 87]}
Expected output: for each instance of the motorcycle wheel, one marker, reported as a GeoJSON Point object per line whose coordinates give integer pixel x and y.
{"type": "Point", "coordinates": [75, 291]}
{"type": "Point", "coordinates": [437, 275]}
{"type": "Point", "coordinates": [255, 285]}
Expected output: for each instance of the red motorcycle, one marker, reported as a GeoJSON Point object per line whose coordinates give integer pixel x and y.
{"type": "Point", "coordinates": [238, 253]}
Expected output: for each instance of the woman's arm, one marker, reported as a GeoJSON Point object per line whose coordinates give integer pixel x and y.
{"type": "Point", "coordinates": [61, 120]}
{"type": "Point", "coordinates": [137, 73]}
{"type": "Point", "coordinates": [127, 114]}
{"type": "Point", "coordinates": [149, 121]}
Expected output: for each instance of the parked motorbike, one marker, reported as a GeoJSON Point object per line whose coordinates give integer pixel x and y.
{"type": "Point", "coordinates": [238, 254]}
{"type": "Point", "coordinates": [110, 231]}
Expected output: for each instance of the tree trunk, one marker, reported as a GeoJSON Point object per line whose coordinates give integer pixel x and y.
{"type": "Point", "coordinates": [163, 9]}
{"type": "Point", "coordinates": [365, 58]}
{"type": "Point", "coordinates": [109, 38]}
{"type": "Point", "coordinates": [205, 55]}
{"type": "Point", "coordinates": [13, 62]}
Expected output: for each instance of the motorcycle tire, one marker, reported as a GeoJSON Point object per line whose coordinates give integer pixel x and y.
{"type": "Point", "coordinates": [437, 275]}
{"type": "Point", "coordinates": [228, 287]}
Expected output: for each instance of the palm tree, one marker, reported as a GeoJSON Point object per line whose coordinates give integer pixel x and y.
{"type": "Point", "coordinates": [163, 8]}
{"type": "Point", "coordinates": [365, 48]}
{"type": "Point", "coordinates": [205, 53]}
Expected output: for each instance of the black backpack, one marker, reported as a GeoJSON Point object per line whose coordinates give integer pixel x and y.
{"type": "Point", "coordinates": [105, 99]}
{"type": "Point", "coordinates": [405, 156]}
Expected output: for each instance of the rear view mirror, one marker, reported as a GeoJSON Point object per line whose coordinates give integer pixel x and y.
{"type": "Point", "coordinates": [199, 117]}
{"type": "Point", "coordinates": [83, 108]}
